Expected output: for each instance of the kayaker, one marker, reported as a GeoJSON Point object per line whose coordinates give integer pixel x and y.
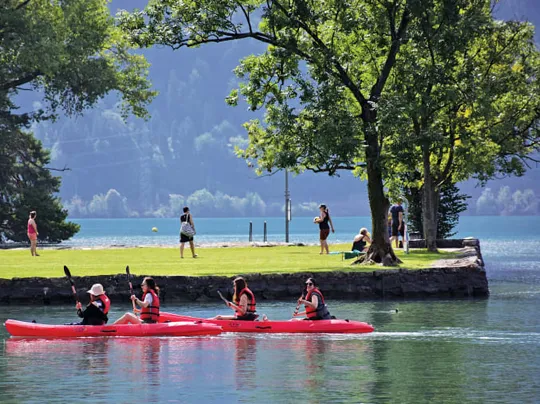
{"type": "Point", "coordinates": [98, 308]}
{"type": "Point", "coordinates": [149, 305]}
{"type": "Point", "coordinates": [314, 303]}
{"type": "Point", "coordinates": [243, 302]}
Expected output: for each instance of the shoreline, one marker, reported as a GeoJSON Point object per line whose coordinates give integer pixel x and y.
{"type": "Point", "coordinates": [463, 276]}
{"type": "Point", "coordinates": [225, 244]}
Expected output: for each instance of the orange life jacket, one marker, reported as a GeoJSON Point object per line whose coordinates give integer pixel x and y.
{"type": "Point", "coordinates": [151, 313]}
{"type": "Point", "coordinates": [251, 306]}
{"type": "Point", "coordinates": [321, 312]}
{"type": "Point", "coordinates": [106, 303]}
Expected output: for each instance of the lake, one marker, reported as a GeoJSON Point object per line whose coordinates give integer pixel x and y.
{"type": "Point", "coordinates": [429, 351]}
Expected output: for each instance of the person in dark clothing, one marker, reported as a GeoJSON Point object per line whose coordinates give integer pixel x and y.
{"type": "Point", "coordinates": [98, 308]}
{"type": "Point", "coordinates": [398, 226]}
{"type": "Point", "coordinates": [361, 240]}
{"type": "Point", "coordinates": [325, 223]}
{"type": "Point", "coordinates": [187, 231]}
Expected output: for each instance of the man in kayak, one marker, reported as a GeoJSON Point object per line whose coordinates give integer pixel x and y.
{"type": "Point", "coordinates": [98, 308]}
{"type": "Point", "coordinates": [149, 305]}
{"type": "Point", "coordinates": [243, 302]}
{"type": "Point", "coordinates": [314, 303]}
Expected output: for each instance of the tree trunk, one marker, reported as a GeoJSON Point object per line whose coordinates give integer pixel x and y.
{"type": "Point", "coordinates": [380, 250]}
{"type": "Point", "coordinates": [430, 199]}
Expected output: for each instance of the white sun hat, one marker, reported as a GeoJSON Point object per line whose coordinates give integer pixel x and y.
{"type": "Point", "coordinates": [96, 289]}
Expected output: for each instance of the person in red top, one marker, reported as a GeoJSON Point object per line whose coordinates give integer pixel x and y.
{"type": "Point", "coordinates": [33, 233]}
{"type": "Point", "coordinates": [314, 302]}
{"type": "Point", "coordinates": [243, 303]}
{"type": "Point", "coordinates": [149, 305]}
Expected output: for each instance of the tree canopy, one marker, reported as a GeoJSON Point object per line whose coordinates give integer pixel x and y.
{"type": "Point", "coordinates": [71, 53]}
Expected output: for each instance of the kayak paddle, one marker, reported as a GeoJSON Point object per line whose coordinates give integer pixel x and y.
{"type": "Point", "coordinates": [68, 275]}
{"type": "Point", "coordinates": [222, 298]}
{"type": "Point", "coordinates": [298, 305]}
{"type": "Point", "coordinates": [130, 285]}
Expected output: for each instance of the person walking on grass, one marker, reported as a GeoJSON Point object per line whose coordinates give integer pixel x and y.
{"type": "Point", "coordinates": [325, 223]}
{"type": "Point", "coordinates": [33, 233]}
{"type": "Point", "coordinates": [187, 231]}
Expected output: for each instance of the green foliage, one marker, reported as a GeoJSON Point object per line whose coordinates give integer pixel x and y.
{"type": "Point", "coordinates": [451, 204]}
{"type": "Point", "coordinates": [72, 52]}
{"type": "Point", "coordinates": [28, 185]}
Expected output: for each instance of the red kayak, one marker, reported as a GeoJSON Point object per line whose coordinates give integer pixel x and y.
{"type": "Point", "coordinates": [172, 329]}
{"type": "Point", "coordinates": [291, 326]}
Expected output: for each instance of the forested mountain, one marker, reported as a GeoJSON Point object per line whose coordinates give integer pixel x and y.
{"type": "Point", "coordinates": [156, 166]}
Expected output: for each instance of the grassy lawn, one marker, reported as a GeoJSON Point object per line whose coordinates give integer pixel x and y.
{"type": "Point", "coordinates": [211, 261]}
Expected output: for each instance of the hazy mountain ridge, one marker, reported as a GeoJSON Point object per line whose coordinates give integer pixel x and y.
{"type": "Point", "coordinates": [188, 144]}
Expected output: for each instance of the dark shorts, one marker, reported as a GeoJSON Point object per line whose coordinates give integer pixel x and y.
{"type": "Point", "coordinates": [185, 239]}
{"type": "Point", "coordinates": [395, 231]}
{"type": "Point", "coordinates": [323, 234]}
{"type": "Point", "coordinates": [247, 317]}
{"type": "Point", "coordinates": [148, 321]}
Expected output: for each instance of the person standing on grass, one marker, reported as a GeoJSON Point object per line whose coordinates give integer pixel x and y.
{"type": "Point", "coordinates": [398, 227]}
{"type": "Point", "coordinates": [33, 233]}
{"type": "Point", "coordinates": [187, 231]}
{"type": "Point", "coordinates": [325, 223]}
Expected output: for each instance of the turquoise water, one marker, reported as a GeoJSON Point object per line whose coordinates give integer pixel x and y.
{"type": "Point", "coordinates": [98, 232]}
{"type": "Point", "coordinates": [430, 351]}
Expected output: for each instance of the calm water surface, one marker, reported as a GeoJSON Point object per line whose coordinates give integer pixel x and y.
{"type": "Point", "coordinates": [436, 351]}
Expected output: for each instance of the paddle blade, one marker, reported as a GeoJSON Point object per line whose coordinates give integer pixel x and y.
{"type": "Point", "coordinates": [66, 271]}
{"type": "Point", "coordinates": [222, 298]}
{"type": "Point", "coordinates": [127, 271]}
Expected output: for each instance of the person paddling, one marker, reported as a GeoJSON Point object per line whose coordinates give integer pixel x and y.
{"type": "Point", "coordinates": [243, 302]}
{"type": "Point", "coordinates": [149, 305]}
{"type": "Point", "coordinates": [98, 308]}
{"type": "Point", "coordinates": [314, 303]}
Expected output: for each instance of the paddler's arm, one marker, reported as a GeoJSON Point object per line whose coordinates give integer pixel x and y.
{"type": "Point", "coordinates": [144, 304]}
{"type": "Point", "coordinates": [313, 304]}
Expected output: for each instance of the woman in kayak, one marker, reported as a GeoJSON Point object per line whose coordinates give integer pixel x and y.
{"type": "Point", "coordinates": [314, 303]}
{"type": "Point", "coordinates": [98, 308]}
{"type": "Point", "coordinates": [243, 302]}
{"type": "Point", "coordinates": [149, 305]}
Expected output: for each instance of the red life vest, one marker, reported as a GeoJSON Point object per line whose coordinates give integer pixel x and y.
{"type": "Point", "coordinates": [251, 306]}
{"type": "Point", "coordinates": [151, 313]}
{"type": "Point", "coordinates": [321, 311]}
{"type": "Point", "coordinates": [106, 303]}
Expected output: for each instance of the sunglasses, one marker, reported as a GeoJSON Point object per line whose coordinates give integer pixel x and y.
{"type": "Point", "coordinates": [309, 284]}
{"type": "Point", "coordinates": [143, 284]}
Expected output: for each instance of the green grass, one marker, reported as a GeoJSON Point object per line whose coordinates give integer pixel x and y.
{"type": "Point", "coordinates": [211, 261]}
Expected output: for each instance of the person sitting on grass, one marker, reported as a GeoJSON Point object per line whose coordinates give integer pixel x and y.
{"type": "Point", "coordinates": [314, 303]}
{"type": "Point", "coordinates": [149, 305]}
{"type": "Point", "coordinates": [243, 302]}
{"type": "Point", "coordinates": [98, 308]}
{"type": "Point", "coordinates": [360, 240]}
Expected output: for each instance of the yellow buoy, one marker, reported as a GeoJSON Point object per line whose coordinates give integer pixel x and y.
{"type": "Point", "coordinates": [154, 229]}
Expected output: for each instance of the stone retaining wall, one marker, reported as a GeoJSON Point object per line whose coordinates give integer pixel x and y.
{"type": "Point", "coordinates": [463, 276]}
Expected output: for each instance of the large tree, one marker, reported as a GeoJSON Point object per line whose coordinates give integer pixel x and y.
{"type": "Point", "coordinates": [71, 54]}
{"type": "Point", "coordinates": [28, 186]}
{"type": "Point", "coordinates": [470, 107]}
{"type": "Point", "coordinates": [321, 78]}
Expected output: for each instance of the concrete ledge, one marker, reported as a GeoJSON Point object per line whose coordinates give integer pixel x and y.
{"type": "Point", "coordinates": [463, 276]}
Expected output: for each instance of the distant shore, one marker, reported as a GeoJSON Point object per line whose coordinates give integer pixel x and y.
{"type": "Point", "coordinates": [226, 244]}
